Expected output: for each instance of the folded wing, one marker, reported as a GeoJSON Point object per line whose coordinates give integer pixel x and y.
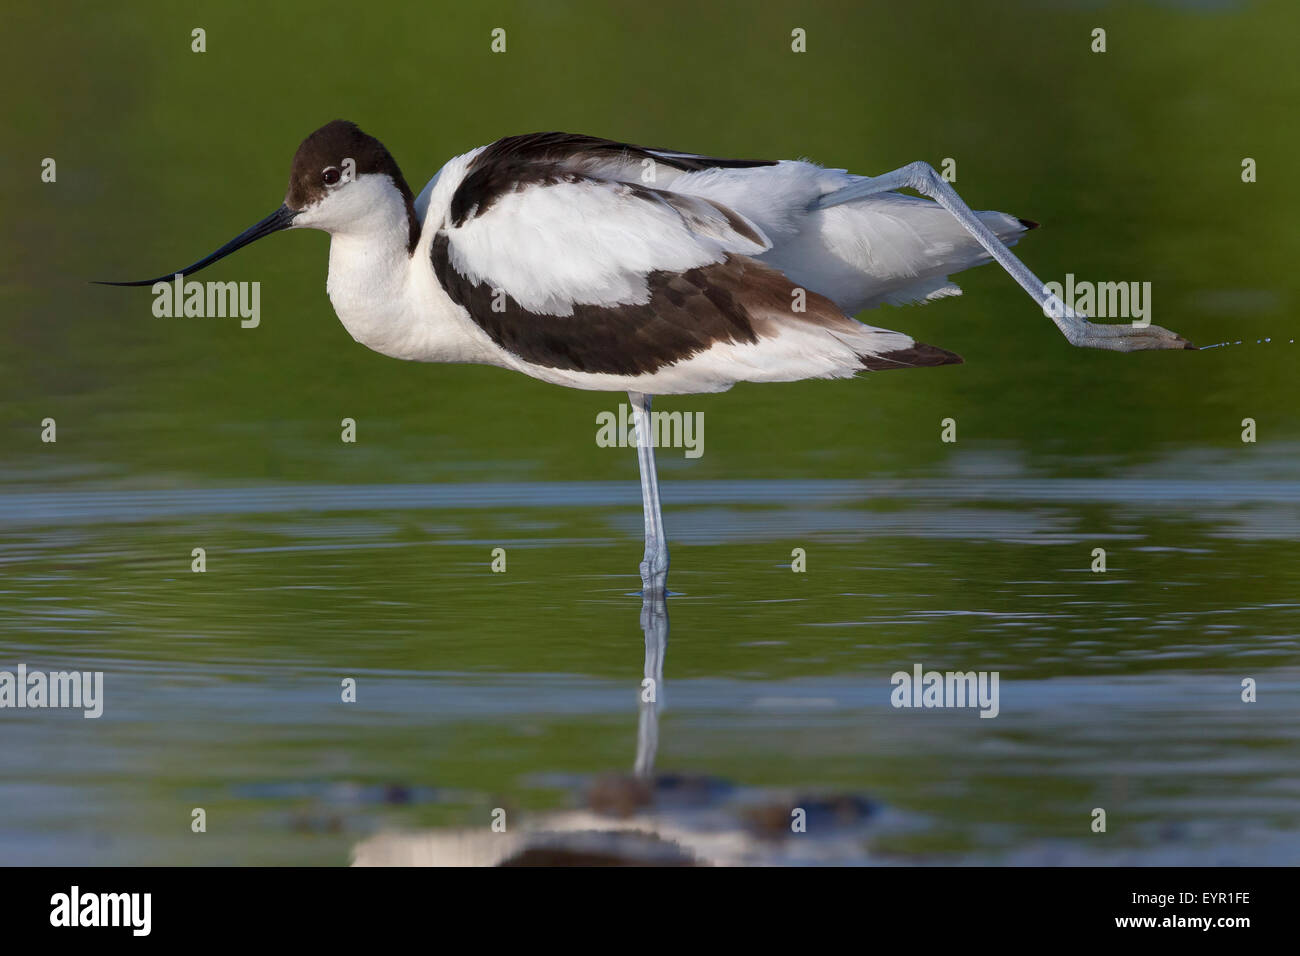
{"type": "Point", "coordinates": [563, 253]}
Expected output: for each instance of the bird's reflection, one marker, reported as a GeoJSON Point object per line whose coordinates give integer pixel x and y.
{"type": "Point", "coordinates": [649, 818]}
{"type": "Point", "coordinates": [654, 624]}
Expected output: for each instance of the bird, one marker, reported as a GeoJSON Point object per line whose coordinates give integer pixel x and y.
{"type": "Point", "coordinates": [602, 265]}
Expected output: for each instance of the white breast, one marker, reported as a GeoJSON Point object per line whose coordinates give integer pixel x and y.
{"type": "Point", "coordinates": [387, 297]}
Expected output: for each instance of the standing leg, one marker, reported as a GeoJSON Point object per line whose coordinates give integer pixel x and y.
{"type": "Point", "coordinates": [1076, 328]}
{"type": "Point", "coordinates": [654, 566]}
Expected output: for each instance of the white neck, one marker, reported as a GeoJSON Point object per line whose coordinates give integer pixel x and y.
{"type": "Point", "coordinates": [385, 296]}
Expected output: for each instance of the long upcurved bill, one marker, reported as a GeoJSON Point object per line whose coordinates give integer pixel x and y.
{"type": "Point", "coordinates": [282, 218]}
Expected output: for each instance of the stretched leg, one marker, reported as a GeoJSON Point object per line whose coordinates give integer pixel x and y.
{"type": "Point", "coordinates": [1076, 328]}
{"type": "Point", "coordinates": [654, 566]}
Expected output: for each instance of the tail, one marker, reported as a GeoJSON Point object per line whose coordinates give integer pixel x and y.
{"type": "Point", "coordinates": [917, 355]}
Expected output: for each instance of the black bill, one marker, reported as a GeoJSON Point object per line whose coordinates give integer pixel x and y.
{"type": "Point", "coordinates": [282, 218]}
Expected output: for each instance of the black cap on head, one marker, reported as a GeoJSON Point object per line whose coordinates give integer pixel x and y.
{"type": "Point", "coordinates": [331, 148]}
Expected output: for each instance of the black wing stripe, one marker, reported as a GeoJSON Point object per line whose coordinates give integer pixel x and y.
{"type": "Point", "coordinates": [687, 313]}
{"type": "Point", "coordinates": [515, 162]}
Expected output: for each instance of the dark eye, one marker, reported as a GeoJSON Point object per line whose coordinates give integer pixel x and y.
{"type": "Point", "coordinates": [330, 176]}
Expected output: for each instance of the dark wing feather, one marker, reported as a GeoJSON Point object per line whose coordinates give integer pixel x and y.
{"type": "Point", "coordinates": [539, 158]}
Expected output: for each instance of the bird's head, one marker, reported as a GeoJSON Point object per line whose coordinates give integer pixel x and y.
{"type": "Point", "coordinates": [342, 181]}
{"type": "Point", "coordinates": [342, 178]}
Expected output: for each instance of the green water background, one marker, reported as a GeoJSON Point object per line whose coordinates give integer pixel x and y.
{"type": "Point", "coordinates": [1131, 159]}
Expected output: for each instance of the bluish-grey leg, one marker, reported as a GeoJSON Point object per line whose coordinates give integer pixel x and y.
{"type": "Point", "coordinates": [1076, 328]}
{"type": "Point", "coordinates": [654, 566]}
